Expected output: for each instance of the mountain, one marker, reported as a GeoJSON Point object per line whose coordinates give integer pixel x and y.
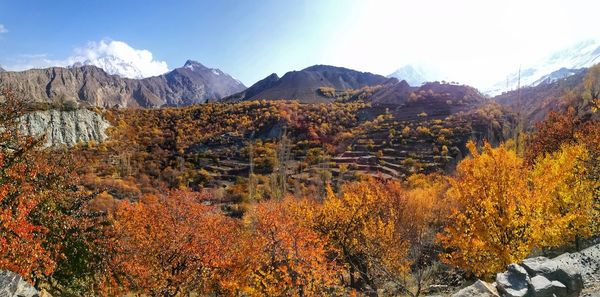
{"type": "Point", "coordinates": [534, 102]}
{"type": "Point", "coordinates": [255, 89]}
{"type": "Point", "coordinates": [414, 76]}
{"type": "Point", "coordinates": [2, 69]}
{"type": "Point", "coordinates": [433, 93]}
{"type": "Point", "coordinates": [118, 66]}
{"type": "Point", "coordinates": [557, 75]}
{"type": "Point", "coordinates": [91, 85]}
{"type": "Point", "coordinates": [303, 85]}
{"type": "Point", "coordinates": [558, 65]}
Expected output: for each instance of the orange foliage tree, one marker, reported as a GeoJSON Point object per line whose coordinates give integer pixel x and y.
{"type": "Point", "coordinates": [26, 182]}
{"type": "Point", "coordinates": [174, 244]}
{"type": "Point", "coordinates": [550, 134]}
{"type": "Point", "coordinates": [290, 259]}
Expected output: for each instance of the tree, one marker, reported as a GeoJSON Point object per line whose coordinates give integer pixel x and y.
{"type": "Point", "coordinates": [591, 84]}
{"type": "Point", "coordinates": [173, 245]}
{"type": "Point", "coordinates": [496, 219]}
{"type": "Point", "coordinates": [560, 181]}
{"type": "Point", "coordinates": [290, 258]}
{"type": "Point", "coordinates": [550, 134]}
{"type": "Point", "coordinates": [27, 182]}
{"type": "Point", "coordinates": [363, 228]}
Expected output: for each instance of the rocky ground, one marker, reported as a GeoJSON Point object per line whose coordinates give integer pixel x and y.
{"type": "Point", "coordinates": [568, 275]}
{"type": "Point", "coordinates": [587, 262]}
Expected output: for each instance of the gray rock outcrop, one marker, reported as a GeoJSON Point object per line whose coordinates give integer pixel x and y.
{"type": "Point", "coordinates": [65, 128]}
{"type": "Point", "coordinates": [13, 285]}
{"type": "Point", "coordinates": [555, 271]}
{"type": "Point", "coordinates": [568, 275]}
{"type": "Point", "coordinates": [514, 282]}
{"type": "Point", "coordinates": [540, 286]}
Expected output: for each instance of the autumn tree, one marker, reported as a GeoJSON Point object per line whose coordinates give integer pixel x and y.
{"type": "Point", "coordinates": [425, 212]}
{"type": "Point", "coordinates": [560, 182]}
{"type": "Point", "coordinates": [172, 245]}
{"type": "Point", "coordinates": [550, 134]}
{"type": "Point", "coordinates": [591, 84]}
{"type": "Point", "coordinates": [363, 227]}
{"type": "Point", "coordinates": [496, 219]}
{"type": "Point", "coordinates": [31, 186]}
{"type": "Point", "coordinates": [290, 258]}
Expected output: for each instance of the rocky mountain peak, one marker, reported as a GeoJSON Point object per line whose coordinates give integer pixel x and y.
{"type": "Point", "coordinates": [194, 65]}
{"type": "Point", "coordinates": [94, 85]}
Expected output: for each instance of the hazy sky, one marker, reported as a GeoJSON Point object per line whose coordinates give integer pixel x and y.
{"type": "Point", "coordinates": [474, 42]}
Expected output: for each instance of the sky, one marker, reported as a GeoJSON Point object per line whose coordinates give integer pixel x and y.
{"type": "Point", "coordinates": [473, 42]}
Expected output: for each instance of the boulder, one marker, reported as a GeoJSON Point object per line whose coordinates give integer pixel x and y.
{"type": "Point", "coordinates": [556, 271]}
{"type": "Point", "coordinates": [478, 289]}
{"type": "Point", "coordinates": [543, 287]}
{"type": "Point", "coordinates": [559, 289]}
{"type": "Point", "coordinates": [539, 265]}
{"type": "Point", "coordinates": [514, 282]}
{"type": "Point", "coordinates": [13, 285]}
{"type": "Point", "coordinates": [570, 277]}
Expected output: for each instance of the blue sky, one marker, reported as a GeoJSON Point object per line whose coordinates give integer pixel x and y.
{"type": "Point", "coordinates": [251, 39]}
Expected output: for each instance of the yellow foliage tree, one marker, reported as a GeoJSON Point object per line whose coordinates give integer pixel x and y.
{"type": "Point", "coordinates": [363, 225]}
{"type": "Point", "coordinates": [496, 216]}
{"type": "Point", "coordinates": [559, 181]}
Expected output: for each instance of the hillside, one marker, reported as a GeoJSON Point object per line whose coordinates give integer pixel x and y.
{"type": "Point", "coordinates": [535, 102]}
{"type": "Point", "coordinates": [303, 85]}
{"type": "Point", "coordinates": [554, 67]}
{"type": "Point", "coordinates": [92, 86]}
{"type": "Point", "coordinates": [207, 145]}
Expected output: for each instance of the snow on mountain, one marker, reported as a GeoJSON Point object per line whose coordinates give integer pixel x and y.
{"type": "Point", "coordinates": [413, 75]}
{"type": "Point", "coordinates": [118, 57]}
{"type": "Point", "coordinates": [115, 65]}
{"type": "Point", "coordinates": [558, 65]}
{"type": "Point", "coordinates": [557, 75]}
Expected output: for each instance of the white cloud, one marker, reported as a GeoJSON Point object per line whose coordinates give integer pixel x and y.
{"type": "Point", "coordinates": [115, 57]}
{"type": "Point", "coordinates": [470, 41]}
{"type": "Point", "coordinates": [3, 29]}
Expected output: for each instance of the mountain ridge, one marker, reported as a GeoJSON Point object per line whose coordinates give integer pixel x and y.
{"type": "Point", "coordinates": [91, 85]}
{"type": "Point", "coordinates": [303, 85]}
{"type": "Point", "coordinates": [572, 59]}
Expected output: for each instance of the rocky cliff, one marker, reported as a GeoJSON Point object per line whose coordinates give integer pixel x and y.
{"type": "Point", "coordinates": [66, 127]}
{"type": "Point", "coordinates": [92, 86]}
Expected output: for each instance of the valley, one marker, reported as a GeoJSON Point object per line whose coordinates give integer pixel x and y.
{"type": "Point", "coordinates": [326, 181]}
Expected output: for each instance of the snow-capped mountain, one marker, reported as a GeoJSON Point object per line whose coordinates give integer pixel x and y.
{"type": "Point", "coordinates": [117, 66]}
{"type": "Point", "coordinates": [558, 65]}
{"type": "Point", "coordinates": [91, 85]}
{"type": "Point", "coordinates": [413, 75]}
{"type": "Point", "coordinates": [557, 75]}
